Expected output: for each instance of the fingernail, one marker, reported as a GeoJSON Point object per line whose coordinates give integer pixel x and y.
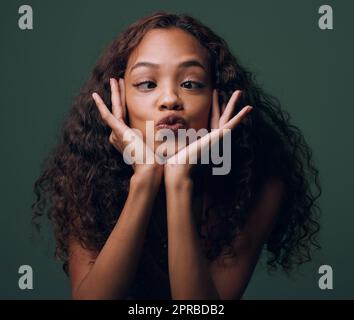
{"type": "Point", "coordinates": [249, 108]}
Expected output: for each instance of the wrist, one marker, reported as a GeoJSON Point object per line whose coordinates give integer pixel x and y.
{"type": "Point", "coordinates": [181, 183]}
{"type": "Point", "coordinates": [177, 175]}
{"type": "Point", "coordinates": [147, 178]}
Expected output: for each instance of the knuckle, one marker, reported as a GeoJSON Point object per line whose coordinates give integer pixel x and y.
{"type": "Point", "coordinates": [112, 138]}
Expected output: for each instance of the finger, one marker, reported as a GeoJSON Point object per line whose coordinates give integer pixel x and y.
{"type": "Point", "coordinates": [115, 98]}
{"type": "Point", "coordinates": [215, 111]}
{"type": "Point", "coordinates": [192, 152]}
{"type": "Point", "coordinates": [122, 98]}
{"type": "Point", "coordinates": [238, 118]}
{"type": "Point", "coordinates": [223, 107]}
{"type": "Point", "coordinates": [106, 115]}
{"type": "Point", "coordinates": [230, 107]}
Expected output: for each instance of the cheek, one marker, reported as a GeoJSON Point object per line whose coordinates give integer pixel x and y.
{"type": "Point", "coordinates": [199, 114]}
{"type": "Point", "coordinates": [138, 109]}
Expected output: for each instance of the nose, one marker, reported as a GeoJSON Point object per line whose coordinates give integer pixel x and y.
{"type": "Point", "coordinates": [170, 100]}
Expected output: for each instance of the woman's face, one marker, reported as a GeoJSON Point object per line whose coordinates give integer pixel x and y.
{"type": "Point", "coordinates": [168, 74]}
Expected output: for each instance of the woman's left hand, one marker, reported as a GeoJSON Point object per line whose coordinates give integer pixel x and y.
{"type": "Point", "coordinates": [178, 167]}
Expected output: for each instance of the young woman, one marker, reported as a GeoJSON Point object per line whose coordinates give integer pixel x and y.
{"type": "Point", "coordinates": [166, 230]}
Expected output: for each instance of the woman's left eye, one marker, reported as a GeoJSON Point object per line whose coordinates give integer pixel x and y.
{"type": "Point", "coordinates": [193, 85]}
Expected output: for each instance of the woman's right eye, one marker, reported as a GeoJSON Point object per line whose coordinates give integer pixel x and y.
{"type": "Point", "coordinates": [145, 85]}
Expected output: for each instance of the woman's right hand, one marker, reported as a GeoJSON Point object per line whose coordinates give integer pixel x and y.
{"type": "Point", "coordinates": [116, 121]}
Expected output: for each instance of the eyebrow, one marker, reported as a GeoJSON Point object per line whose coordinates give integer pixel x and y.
{"type": "Point", "coordinates": [184, 64]}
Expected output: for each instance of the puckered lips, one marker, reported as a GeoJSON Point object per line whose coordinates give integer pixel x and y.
{"type": "Point", "coordinates": [172, 122]}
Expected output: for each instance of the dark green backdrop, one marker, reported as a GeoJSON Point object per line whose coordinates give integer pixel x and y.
{"type": "Point", "coordinates": [310, 70]}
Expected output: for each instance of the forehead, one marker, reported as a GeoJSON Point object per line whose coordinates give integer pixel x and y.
{"type": "Point", "coordinates": [164, 46]}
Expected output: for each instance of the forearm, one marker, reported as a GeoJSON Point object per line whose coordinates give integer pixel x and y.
{"type": "Point", "coordinates": [113, 271]}
{"type": "Point", "coordinates": [188, 267]}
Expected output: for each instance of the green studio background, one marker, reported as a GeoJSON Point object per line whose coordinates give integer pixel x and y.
{"type": "Point", "coordinates": [308, 69]}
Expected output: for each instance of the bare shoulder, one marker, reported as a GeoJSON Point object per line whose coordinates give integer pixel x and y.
{"type": "Point", "coordinates": [262, 217]}
{"type": "Point", "coordinates": [267, 207]}
{"type": "Point", "coordinates": [231, 275]}
{"type": "Point", "coordinates": [269, 200]}
{"type": "Point", "coordinates": [80, 261]}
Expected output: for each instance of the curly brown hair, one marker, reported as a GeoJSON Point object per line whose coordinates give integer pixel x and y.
{"type": "Point", "coordinates": [85, 180]}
